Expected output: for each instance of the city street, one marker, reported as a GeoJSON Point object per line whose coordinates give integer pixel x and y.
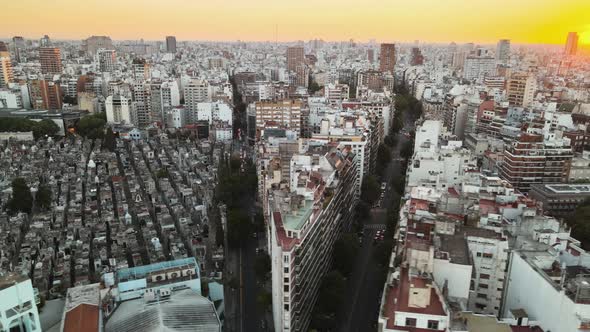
{"type": "Point", "coordinates": [366, 282]}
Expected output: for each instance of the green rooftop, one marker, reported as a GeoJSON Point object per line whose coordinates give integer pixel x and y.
{"type": "Point", "coordinates": [294, 221]}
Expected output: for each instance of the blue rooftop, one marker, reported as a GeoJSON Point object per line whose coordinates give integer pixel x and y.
{"type": "Point", "coordinates": [139, 272]}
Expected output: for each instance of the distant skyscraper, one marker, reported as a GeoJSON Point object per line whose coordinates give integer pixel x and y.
{"type": "Point", "coordinates": [170, 44]}
{"type": "Point", "coordinates": [295, 57]}
{"type": "Point", "coordinates": [371, 55]}
{"type": "Point", "coordinates": [503, 50]}
{"type": "Point", "coordinates": [19, 48]}
{"type": "Point", "coordinates": [3, 47]}
{"type": "Point", "coordinates": [387, 58]}
{"type": "Point", "coordinates": [571, 43]}
{"type": "Point", "coordinates": [5, 69]}
{"type": "Point", "coordinates": [50, 58]}
{"type": "Point", "coordinates": [417, 57]}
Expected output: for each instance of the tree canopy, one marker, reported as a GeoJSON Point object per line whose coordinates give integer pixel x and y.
{"type": "Point", "coordinates": [92, 126]}
{"type": "Point", "coordinates": [345, 250]}
{"type": "Point", "coordinates": [370, 189]}
{"type": "Point", "coordinates": [43, 197]}
{"type": "Point", "coordinates": [39, 128]}
{"type": "Point", "coordinates": [21, 200]}
{"type": "Point", "coordinates": [580, 224]}
{"type": "Point", "coordinates": [109, 141]}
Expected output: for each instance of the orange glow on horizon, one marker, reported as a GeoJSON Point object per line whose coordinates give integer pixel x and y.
{"type": "Point", "coordinates": [522, 21]}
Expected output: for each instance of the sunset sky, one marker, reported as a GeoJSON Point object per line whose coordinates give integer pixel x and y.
{"type": "Point", "coordinates": [522, 21]}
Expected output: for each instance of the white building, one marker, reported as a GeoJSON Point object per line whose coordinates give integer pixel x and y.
{"type": "Point", "coordinates": [170, 95]}
{"type": "Point", "coordinates": [10, 99]}
{"type": "Point", "coordinates": [176, 117]}
{"type": "Point", "coordinates": [118, 110]}
{"type": "Point", "coordinates": [213, 112]}
{"type": "Point", "coordinates": [478, 67]}
{"type": "Point", "coordinates": [489, 251]}
{"type": "Point", "coordinates": [437, 162]}
{"type": "Point", "coordinates": [552, 286]}
{"type": "Point", "coordinates": [18, 308]}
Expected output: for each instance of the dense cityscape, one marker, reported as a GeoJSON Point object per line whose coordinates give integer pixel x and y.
{"type": "Point", "coordinates": [178, 185]}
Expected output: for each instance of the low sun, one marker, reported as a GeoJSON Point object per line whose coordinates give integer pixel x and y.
{"type": "Point", "coordinates": [585, 38]}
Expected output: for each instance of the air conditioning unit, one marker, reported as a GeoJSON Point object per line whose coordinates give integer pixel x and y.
{"type": "Point", "coordinates": [158, 277]}
{"type": "Point", "coordinates": [174, 274]}
{"type": "Point", "coordinates": [188, 272]}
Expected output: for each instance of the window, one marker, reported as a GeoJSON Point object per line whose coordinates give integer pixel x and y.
{"type": "Point", "coordinates": [286, 269]}
{"type": "Point", "coordinates": [286, 288]}
{"type": "Point", "coordinates": [479, 254]}
{"type": "Point", "coordinates": [484, 276]}
{"type": "Point", "coordinates": [488, 255]}
{"type": "Point", "coordinates": [433, 324]}
{"type": "Point", "coordinates": [286, 307]}
{"type": "Point", "coordinates": [481, 296]}
{"type": "Point", "coordinates": [482, 286]}
{"type": "Point", "coordinates": [410, 321]}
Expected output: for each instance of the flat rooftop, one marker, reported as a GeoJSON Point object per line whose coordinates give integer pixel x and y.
{"type": "Point", "coordinates": [582, 188]}
{"type": "Point", "coordinates": [294, 220]}
{"type": "Point", "coordinates": [140, 272]}
{"type": "Point", "coordinates": [456, 247]}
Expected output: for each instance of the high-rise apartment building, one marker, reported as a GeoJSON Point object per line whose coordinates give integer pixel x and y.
{"type": "Point", "coordinates": [107, 60]}
{"type": "Point", "coordinates": [479, 65]}
{"type": "Point", "coordinates": [92, 44]}
{"type": "Point", "coordinates": [503, 51]}
{"type": "Point", "coordinates": [387, 58]}
{"type": "Point", "coordinates": [118, 110]}
{"type": "Point", "coordinates": [571, 43]}
{"type": "Point", "coordinates": [520, 89]}
{"type": "Point", "coordinates": [45, 95]}
{"type": "Point", "coordinates": [197, 91]}
{"type": "Point", "coordinates": [371, 55]}
{"type": "Point", "coordinates": [5, 69]}
{"type": "Point", "coordinates": [141, 69]}
{"type": "Point", "coordinates": [295, 57]}
{"type": "Point", "coordinates": [170, 44]}
{"type": "Point", "coordinates": [305, 219]}
{"type": "Point", "coordinates": [533, 159]}
{"type": "Point", "coordinates": [50, 58]}
{"type": "Point", "coordinates": [285, 114]}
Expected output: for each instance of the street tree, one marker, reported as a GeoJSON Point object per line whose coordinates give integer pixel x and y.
{"type": "Point", "coordinates": [43, 197]}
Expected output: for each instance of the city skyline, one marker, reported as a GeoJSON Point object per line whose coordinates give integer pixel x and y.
{"type": "Point", "coordinates": [545, 22]}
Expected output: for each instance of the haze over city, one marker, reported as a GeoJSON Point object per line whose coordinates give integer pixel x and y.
{"type": "Point", "coordinates": [295, 166]}
{"type": "Point", "coordinates": [523, 21]}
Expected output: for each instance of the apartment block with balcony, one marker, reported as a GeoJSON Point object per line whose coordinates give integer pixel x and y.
{"type": "Point", "coordinates": [535, 159]}
{"type": "Point", "coordinates": [307, 214]}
